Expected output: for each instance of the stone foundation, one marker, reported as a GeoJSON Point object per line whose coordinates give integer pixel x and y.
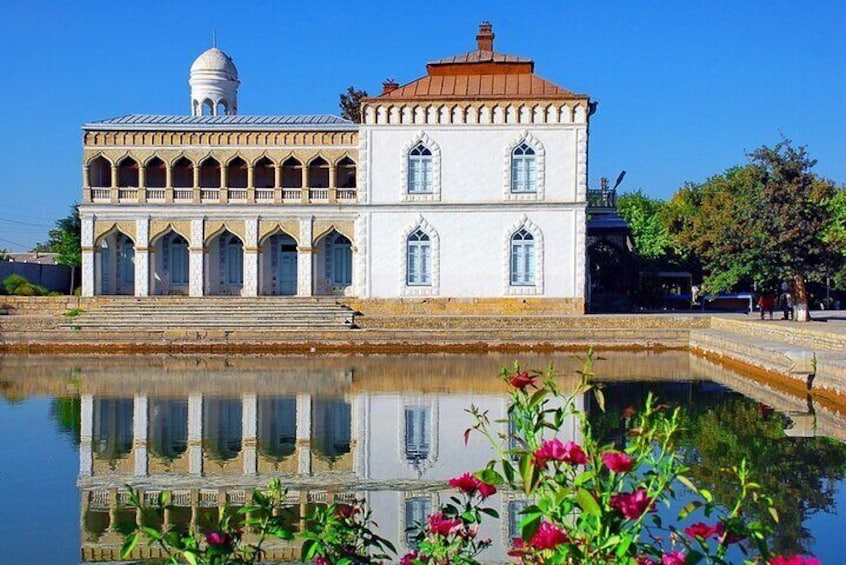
{"type": "Point", "coordinates": [467, 306]}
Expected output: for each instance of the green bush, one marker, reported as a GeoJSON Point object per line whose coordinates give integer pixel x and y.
{"type": "Point", "coordinates": [12, 282]}
{"type": "Point", "coordinates": [17, 285]}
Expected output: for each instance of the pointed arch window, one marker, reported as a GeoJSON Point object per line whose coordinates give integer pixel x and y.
{"type": "Point", "coordinates": [233, 248]}
{"type": "Point", "coordinates": [419, 255]}
{"type": "Point", "coordinates": [175, 258]}
{"type": "Point", "coordinates": [522, 258]}
{"type": "Point", "coordinates": [339, 260]}
{"type": "Point", "coordinates": [523, 169]}
{"type": "Point", "coordinates": [417, 434]}
{"type": "Point", "coordinates": [420, 170]}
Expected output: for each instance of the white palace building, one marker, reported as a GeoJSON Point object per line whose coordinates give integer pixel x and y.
{"type": "Point", "coordinates": [468, 183]}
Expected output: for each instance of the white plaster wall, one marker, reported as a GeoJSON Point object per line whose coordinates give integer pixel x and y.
{"type": "Point", "coordinates": [474, 248]}
{"type": "Point", "coordinates": [474, 165]}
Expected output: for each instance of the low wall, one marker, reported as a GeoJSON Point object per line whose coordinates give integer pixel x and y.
{"type": "Point", "coordinates": [55, 278]}
{"type": "Point", "coordinates": [464, 306]}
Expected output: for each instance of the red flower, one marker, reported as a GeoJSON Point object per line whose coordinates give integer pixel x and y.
{"type": "Point", "coordinates": [470, 484]}
{"type": "Point", "coordinates": [219, 539]}
{"type": "Point", "coordinates": [548, 536]}
{"type": "Point", "coordinates": [413, 558]}
{"type": "Point", "coordinates": [554, 450]}
{"type": "Point", "coordinates": [441, 526]}
{"type": "Point", "coordinates": [617, 462]}
{"type": "Point", "coordinates": [521, 380]}
{"type": "Point", "coordinates": [727, 537]}
{"type": "Point", "coordinates": [631, 505]}
{"type": "Point", "coordinates": [794, 560]}
{"type": "Point", "coordinates": [674, 558]}
{"type": "Point", "coordinates": [320, 560]}
{"type": "Point", "coordinates": [344, 511]}
{"type": "Point", "coordinates": [644, 560]}
{"type": "Point", "coordinates": [701, 530]}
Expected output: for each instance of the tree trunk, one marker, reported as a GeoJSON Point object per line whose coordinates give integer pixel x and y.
{"type": "Point", "coordinates": [801, 299]}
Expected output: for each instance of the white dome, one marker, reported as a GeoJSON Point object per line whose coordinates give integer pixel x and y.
{"type": "Point", "coordinates": [215, 60]}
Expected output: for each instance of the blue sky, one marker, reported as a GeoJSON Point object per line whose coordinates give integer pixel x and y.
{"type": "Point", "coordinates": [684, 88]}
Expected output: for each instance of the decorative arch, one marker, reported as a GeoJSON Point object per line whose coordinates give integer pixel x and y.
{"type": "Point", "coordinates": [432, 145]}
{"type": "Point", "coordinates": [420, 223]}
{"type": "Point", "coordinates": [276, 229]}
{"type": "Point", "coordinates": [99, 171]}
{"type": "Point", "coordinates": [526, 224]}
{"type": "Point", "coordinates": [268, 228]}
{"type": "Point", "coordinates": [346, 170]}
{"type": "Point", "coordinates": [540, 167]}
{"type": "Point", "coordinates": [214, 228]}
{"type": "Point", "coordinates": [322, 229]}
{"type": "Point", "coordinates": [159, 231]}
{"type": "Point", "coordinates": [103, 230]}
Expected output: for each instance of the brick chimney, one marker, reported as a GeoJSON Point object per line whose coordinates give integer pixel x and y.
{"type": "Point", "coordinates": [389, 86]}
{"type": "Point", "coordinates": [485, 37]}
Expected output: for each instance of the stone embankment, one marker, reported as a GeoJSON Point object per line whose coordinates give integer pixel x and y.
{"type": "Point", "coordinates": [805, 354]}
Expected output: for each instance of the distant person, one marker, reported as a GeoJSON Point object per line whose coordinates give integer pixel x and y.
{"type": "Point", "coordinates": [786, 302]}
{"type": "Point", "coordinates": [766, 303]}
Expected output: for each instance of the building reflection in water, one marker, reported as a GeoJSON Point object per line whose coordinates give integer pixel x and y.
{"type": "Point", "coordinates": [209, 431]}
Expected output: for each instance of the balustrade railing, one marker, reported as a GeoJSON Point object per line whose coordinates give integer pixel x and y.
{"type": "Point", "coordinates": [238, 194]}
{"type": "Point", "coordinates": [183, 194]}
{"type": "Point", "coordinates": [597, 198]}
{"type": "Point", "coordinates": [155, 195]}
{"type": "Point", "coordinates": [242, 195]}
{"type": "Point", "coordinates": [291, 194]}
{"type": "Point", "coordinates": [209, 194]}
{"type": "Point", "coordinates": [346, 194]}
{"type": "Point", "coordinates": [127, 194]}
{"type": "Point", "coordinates": [318, 194]}
{"type": "Point", "coordinates": [264, 195]}
{"type": "Point", "coordinates": [101, 194]}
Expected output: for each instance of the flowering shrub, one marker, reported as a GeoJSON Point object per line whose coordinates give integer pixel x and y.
{"type": "Point", "coordinates": [342, 534]}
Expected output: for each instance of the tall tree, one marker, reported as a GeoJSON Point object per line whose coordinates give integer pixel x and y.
{"type": "Point", "coordinates": [643, 215]}
{"type": "Point", "coordinates": [66, 239]}
{"type": "Point", "coordinates": [763, 222]}
{"type": "Point", "coordinates": [351, 104]}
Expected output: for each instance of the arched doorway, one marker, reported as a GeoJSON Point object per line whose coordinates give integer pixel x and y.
{"type": "Point", "coordinates": [333, 264]}
{"type": "Point", "coordinates": [114, 264]}
{"type": "Point", "coordinates": [225, 265]}
{"type": "Point", "coordinates": [169, 264]}
{"type": "Point", "coordinates": [279, 265]}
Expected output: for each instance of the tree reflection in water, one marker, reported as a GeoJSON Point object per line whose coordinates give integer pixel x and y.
{"type": "Point", "coordinates": [722, 428]}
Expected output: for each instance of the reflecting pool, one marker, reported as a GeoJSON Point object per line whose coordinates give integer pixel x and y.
{"type": "Point", "coordinates": [388, 429]}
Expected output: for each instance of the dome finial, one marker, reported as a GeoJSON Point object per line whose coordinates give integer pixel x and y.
{"type": "Point", "coordinates": [214, 83]}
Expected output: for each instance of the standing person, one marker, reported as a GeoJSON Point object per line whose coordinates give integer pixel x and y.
{"type": "Point", "coordinates": [766, 302]}
{"type": "Point", "coordinates": [786, 302]}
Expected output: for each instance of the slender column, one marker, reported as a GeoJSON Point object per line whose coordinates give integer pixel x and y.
{"type": "Point", "coordinates": [142, 183]}
{"type": "Point", "coordinates": [361, 423]}
{"type": "Point", "coordinates": [168, 183]}
{"type": "Point", "coordinates": [139, 432]}
{"type": "Point", "coordinates": [251, 187]}
{"type": "Point", "coordinates": [196, 276]}
{"type": "Point", "coordinates": [333, 190]}
{"type": "Point", "coordinates": [114, 190]}
{"type": "Point", "coordinates": [142, 257]}
{"type": "Point", "coordinates": [277, 183]}
{"type": "Point", "coordinates": [87, 237]}
{"type": "Point", "coordinates": [86, 435]}
{"type": "Point", "coordinates": [305, 259]}
{"type": "Point", "coordinates": [304, 434]}
{"type": "Point", "coordinates": [195, 434]}
{"type": "Point", "coordinates": [249, 422]}
{"type": "Point", "coordinates": [251, 254]}
{"type": "Point", "coordinates": [196, 170]}
{"type": "Point", "coordinates": [305, 195]}
{"type": "Point", "coordinates": [86, 184]}
{"type": "Point", "coordinates": [223, 193]}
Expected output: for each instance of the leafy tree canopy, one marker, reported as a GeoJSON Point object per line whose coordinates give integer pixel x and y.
{"type": "Point", "coordinates": [643, 215]}
{"type": "Point", "coordinates": [764, 222]}
{"type": "Point", "coordinates": [65, 239]}
{"type": "Point", "coordinates": [351, 104]}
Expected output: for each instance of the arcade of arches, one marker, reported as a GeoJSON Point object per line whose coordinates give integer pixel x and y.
{"type": "Point", "coordinates": [234, 261]}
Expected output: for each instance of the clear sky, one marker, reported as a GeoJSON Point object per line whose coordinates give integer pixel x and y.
{"type": "Point", "coordinates": [685, 88]}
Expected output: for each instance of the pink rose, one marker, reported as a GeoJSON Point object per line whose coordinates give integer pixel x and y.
{"type": "Point", "coordinates": [521, 380]}
{"type": "Point", "coordinates": [413, 558]}
{"type": "Point", "coordinates": [218, 539]}
{"type": "Point", "coordinates": [631, 505]}
{"type": "Point", "coordinates": [674, 558]}
{"type": "Point", "coordinates": [548, 536]}
{"type": "Point", "coordinates": [794, 560]}
{"type": "Point", "coordinates": [617, 462]}
{"type": "Point", "coordinates": [554, 450]}
{"type": "Point", "coordinates": [470, 484]}
{"type": "Point", "coordinates": [441, 526]}
{"type": "Point", "coordinates": [701, 530]}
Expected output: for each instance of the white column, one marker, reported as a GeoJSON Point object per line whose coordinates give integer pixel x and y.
{"type": "Point", "coordinates": [361, 427]}
{"type": "Point", "coordinates": [304, 434]}
{"type": "Point", "coordinates": [359, 274]}
{"type": "Point", "coordinates": [142, 257]}
{"type": "Point", "coordinates": [139, 433]}
{"type": "Point", "coordinates": [250, 257]}
{"type": "Point", "coordinates": [249, 423]}
{"type": "Point", "coordinates": [196, 276]}
{"type": "Point", "coordinates": [305, 258]}
{"type": "Point", "coordinates": [87, 240]}
{"type": "Point", "coordinates": [86, 433]}
{"type": "Point", "coordinates": [195, 434]}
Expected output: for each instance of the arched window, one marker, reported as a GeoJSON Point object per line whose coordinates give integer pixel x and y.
{"type": "Point", "coordinates": [221, 109]}
{"type": "Point", "coordinates": [175, 258]}
{"type": "Point", "coordinates": [210, 173]}
{"type": "Point", "coordinates": [318, 173]}
{"type": "Point", "coordinates": [183, 173]}
{"type": "Point", "coordinates": [208, 107]}
{"type": "Point", "coordinates": [100, 173]}
{"type": "Point", "coordinates": [345, 175]}
{"type": "Point", "coordinates": [338, 260]}
{"type": "Point", "coordinates": [233, 248]}
{"type": "Point", "coordinates": [236, 173]}
{"type": "Point", "coordinates": [419, 263]}
{"type": "Point", "coordinates": [417, 510]}
{"type": "Point", "coordinates": [419, 170]}
{"type": "Point", "coordinates": [522, 258]}
{"type": "Point", "coordinates": [264, 173]}
{"type": "Point", "coordinates": [292, 173]}
{"type": "Point", "coordinates": [128, 172]}
{"type": "Point", "coordinates": [156, 176]}
{"type": "Point", "coordinates": [417, 434]}
{"type": "Point", "coordinates": [127, 260]}
{"type": "Point", "coordinates": [523, 169]}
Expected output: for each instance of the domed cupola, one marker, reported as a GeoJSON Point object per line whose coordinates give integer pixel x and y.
{"type": "Point", "coordinates": [214, 84]}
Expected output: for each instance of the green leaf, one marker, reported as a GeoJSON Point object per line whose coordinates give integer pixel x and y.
{"type": "Point", "coordinates": [190, 557]}
{"type": "Point", "coordinates": [528, 472]}
{"type": "Point", "coordinates": [624, 546]}
{"type": "Point", "coordinates": [490, 512]}
{"type": "Point", "coordinates": [687, 482]}
{"type": "Point", "coordinates": [774, 514]}
{"type": "Point", "coordinates": [490, 476]}
{"type": "Point", "coordinates": [600, 398]}
{"type": "Point", "coordinates": [588, 502]}
{"type": "Point", "coordinates": [688, 508]}
{"type": "Point", "coordinates": [129, 545]}
{"type": "Point", "coordinates": [693, 557]}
